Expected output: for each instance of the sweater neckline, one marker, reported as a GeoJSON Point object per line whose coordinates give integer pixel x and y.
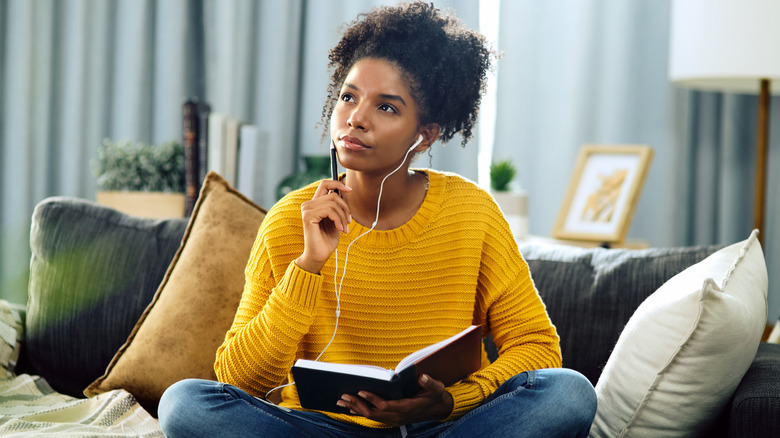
{"type": "Point", "coordinates": [414, 226]}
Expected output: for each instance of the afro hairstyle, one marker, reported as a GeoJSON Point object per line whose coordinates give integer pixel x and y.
{"type": "Point", "coordinates": [444, 63]}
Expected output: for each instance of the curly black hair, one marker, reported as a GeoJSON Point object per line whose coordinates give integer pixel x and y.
{"type": "Point", "coordinates": [444, 63]}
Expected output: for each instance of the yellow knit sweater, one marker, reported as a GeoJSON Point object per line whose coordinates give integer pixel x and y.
{"type": "Point", "coordinates": [455, 263]}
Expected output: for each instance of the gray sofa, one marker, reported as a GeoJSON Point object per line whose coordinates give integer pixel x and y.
{"type": "Point", "coordinates": [94, 271]}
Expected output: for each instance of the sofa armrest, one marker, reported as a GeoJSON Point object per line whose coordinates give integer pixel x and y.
{"type": "Point", "coordinates": [755, 407]}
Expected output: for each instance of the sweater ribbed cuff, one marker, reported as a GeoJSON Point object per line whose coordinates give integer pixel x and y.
{"type": "Point", "coordinates": [301, 287]}
{"type": "Point", "coordinates": [465, 397]}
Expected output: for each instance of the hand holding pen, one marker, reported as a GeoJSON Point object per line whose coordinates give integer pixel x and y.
{"type": "Point", "coordinates": [324, 217]}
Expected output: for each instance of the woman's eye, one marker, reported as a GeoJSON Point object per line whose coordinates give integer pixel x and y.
{"type": "Point", "coordinates": [387, 107]}
{"type": "Point", "coordinates": [346, 97]}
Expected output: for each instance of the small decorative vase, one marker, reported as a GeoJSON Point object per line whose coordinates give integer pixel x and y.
{"type": "Point", "coordinates": [317, 167]}
{"type": "Point", "coordinates": [514, 205]}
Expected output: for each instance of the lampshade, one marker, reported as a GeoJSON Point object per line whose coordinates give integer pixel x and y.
{"type": "Point", "coordinates": [725, 45]}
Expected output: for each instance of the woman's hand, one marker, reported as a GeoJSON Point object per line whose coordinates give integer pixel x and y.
{"type": "Point", "coordinates": [325, 216]}
{"type": "Point", "coordinates": [432, 403]}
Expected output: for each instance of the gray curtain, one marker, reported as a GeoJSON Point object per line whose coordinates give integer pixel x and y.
{"type": "Point", "coordinates": [718, 160]}
{"type": "Point", "coordinates": [596, 71]}
{"type": "Point", "coordinates": [573, 72]}
{"type": "Point", "coordinates": [75, 72]}
{"type": "Point", "coordinates": [253, 73]}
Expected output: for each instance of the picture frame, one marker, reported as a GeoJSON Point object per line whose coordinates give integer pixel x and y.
{"type": "Point", "coordinates": [603, 192]}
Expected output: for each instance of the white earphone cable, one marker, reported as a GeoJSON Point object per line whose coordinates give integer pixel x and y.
{"type": "Point", "coordinates": [337, 284]}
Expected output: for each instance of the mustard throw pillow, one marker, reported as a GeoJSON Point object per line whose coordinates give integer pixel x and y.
{"type": "Point", "coordinates": [179, 332]}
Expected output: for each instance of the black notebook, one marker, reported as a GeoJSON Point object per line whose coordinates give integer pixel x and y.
{"type": "Point", "coordinates": [321, 384]}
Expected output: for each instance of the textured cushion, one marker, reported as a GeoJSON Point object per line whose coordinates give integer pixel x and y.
{"type": "Point", "coordinates": [11, 337]}
{"type": "Point", "coordinates": [755, 410]}
{"type": "Point", "coordinates": [591, 293]}
{"type": "Point", "coordinates": [181, 329]}
{"type": "Point", "coordinates": [85, 292]}
{"type": "Point", "coordinates": [685, 349]}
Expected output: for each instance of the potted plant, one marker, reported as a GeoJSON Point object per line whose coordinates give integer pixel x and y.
{"type": "Point", "coordinates": [317, 167]}
{"type": "Point", "coordinates": [513, 202]}
{"type": "Point", "coordinates": [141, 179]}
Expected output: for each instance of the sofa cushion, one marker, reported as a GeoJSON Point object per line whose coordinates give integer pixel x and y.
{"type": "Point", "coordinates": [686, 348]}
{"type": "Point", "coordinates": [755, 410]}
{"type": "Point", "coordinates": [591, 293]}
{"type": "Point", "coordinates": [85, 292]}
{"type": "Point", "coordinates": [179, 332]}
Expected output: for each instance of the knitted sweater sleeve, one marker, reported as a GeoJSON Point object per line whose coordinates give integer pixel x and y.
{"type": "Point", "coordinates": [275, 312]}
{"type": "Point", "coordinates": [509, 307]}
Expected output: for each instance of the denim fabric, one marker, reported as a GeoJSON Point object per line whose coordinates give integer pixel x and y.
{"type": "Point", "coordinates": [548, 403]}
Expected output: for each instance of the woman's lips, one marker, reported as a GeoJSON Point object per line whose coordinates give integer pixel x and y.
{"type": "Point", "coordinates": [352, 143]}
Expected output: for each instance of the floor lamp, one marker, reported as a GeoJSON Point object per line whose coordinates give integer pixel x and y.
{"type": "Point", "coordinates": [731, 46]}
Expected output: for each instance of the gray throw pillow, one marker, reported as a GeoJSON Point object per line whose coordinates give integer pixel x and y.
{"type": "Point", "coordinates": [591, 293]}
{"type": "Point", "coordinates": [93, 272]}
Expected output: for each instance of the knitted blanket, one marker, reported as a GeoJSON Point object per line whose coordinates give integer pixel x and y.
{"type": "Point", "coordinates": [30, 407]}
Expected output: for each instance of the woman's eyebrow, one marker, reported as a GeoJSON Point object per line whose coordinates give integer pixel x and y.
{"type": "Point", "coordinates": [393, 97]}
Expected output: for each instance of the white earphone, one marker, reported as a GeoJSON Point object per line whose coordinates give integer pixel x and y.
{"type": "Point", "coordinates": [419, 140]}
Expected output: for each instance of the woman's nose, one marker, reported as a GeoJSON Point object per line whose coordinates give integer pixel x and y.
{"type": "Point", "coordinates": [358, 119]}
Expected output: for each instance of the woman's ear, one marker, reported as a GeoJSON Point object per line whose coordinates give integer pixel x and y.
{"type": "Point", "coordinates": [430, 133]}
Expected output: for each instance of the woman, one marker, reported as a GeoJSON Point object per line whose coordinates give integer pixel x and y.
{"type": "Point", "coordinates": [386, 260]}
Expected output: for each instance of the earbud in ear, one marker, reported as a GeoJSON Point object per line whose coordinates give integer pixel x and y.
{"type": "Point", "coordinates": [419, 140]}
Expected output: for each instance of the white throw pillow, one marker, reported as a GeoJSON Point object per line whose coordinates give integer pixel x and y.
{"type": "Point", "coordinates": [686, 348]}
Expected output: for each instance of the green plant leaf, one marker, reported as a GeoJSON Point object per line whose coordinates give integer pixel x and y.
{"type": "Point", "coordinates": [123, 165]}
{"type": "Point", "coordinates": [501, 174]}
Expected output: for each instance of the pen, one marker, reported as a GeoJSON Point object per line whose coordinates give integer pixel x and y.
{"type": "Point", "coordinates": [334, 164]}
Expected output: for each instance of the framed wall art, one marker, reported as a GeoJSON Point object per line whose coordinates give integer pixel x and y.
{"type": "Point", "coordinates": [603, 192]}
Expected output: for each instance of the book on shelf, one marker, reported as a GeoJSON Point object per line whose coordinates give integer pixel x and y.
{"type": "Point", "coordinates": [211, 143]}
{"type": "Point", "coordinates": [230, 152]}
{"type": "Point", "coordinates": [204, 109]}
{"type": "Point", "coordinates": [321, 384]}
{"type": "Point", "coordinates": [216, 156]}
{"type": "Point", "coordinates": [250, 178]}
{"type": "Point", "coordinates": [223, 145]}
{"type": "Point", "coordinates": [191, 163]}
{"type": "Point", "coordinates": [195, 141]}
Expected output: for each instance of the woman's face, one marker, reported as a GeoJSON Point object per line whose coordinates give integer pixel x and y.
{"type": "Point", "coordinates": [375, 120]}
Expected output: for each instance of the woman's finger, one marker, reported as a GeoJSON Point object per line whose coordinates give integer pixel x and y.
{"type": "Point", "coordinates": [330, 207]}
{"type": "Point", "coordinates": [328, 185]}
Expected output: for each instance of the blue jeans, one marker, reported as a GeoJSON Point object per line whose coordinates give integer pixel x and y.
{"type": "Point", "coordinates": [543, 403]}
